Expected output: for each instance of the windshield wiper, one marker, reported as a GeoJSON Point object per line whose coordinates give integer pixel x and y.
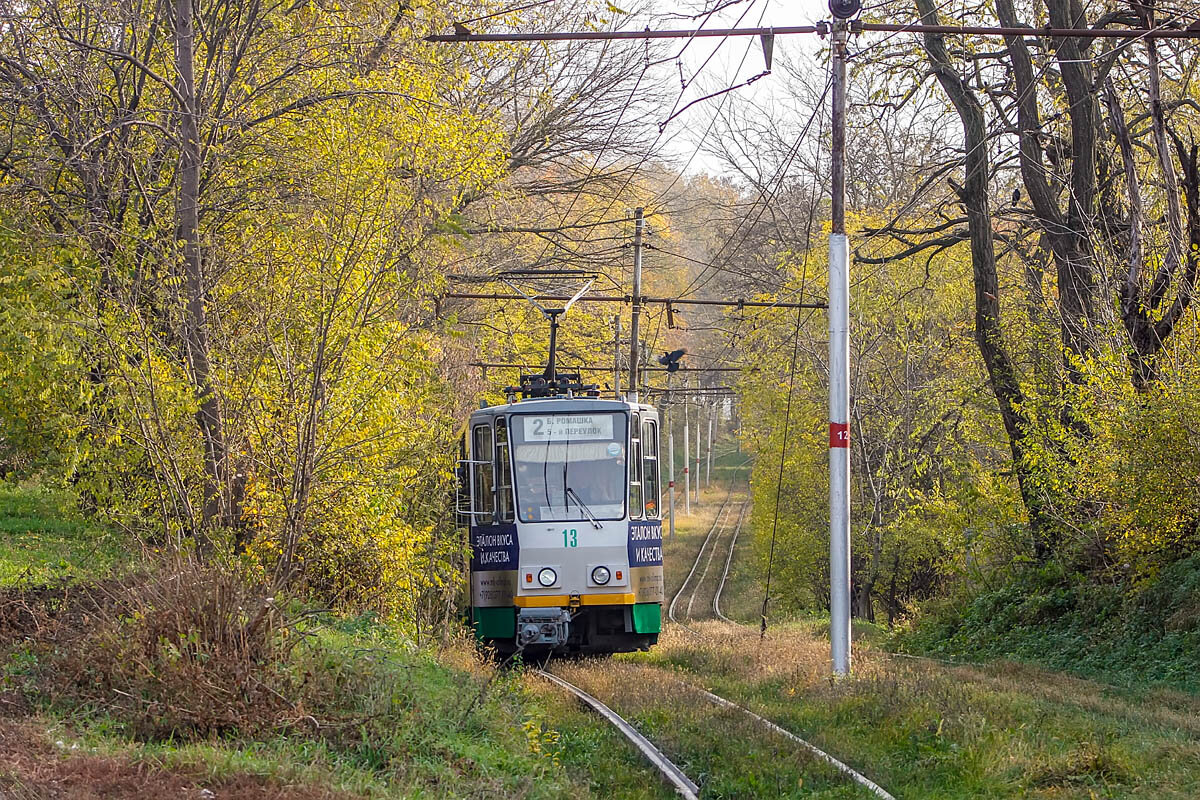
{"type": "Point", "coordinates": [595, 522]}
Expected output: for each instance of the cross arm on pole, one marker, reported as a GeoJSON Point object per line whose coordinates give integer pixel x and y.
{"type": "Point", "coordinates": [674, 301]}
{"type": "Point", "coordinates": [821, 29]}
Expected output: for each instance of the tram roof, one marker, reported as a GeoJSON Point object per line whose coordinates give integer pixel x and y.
{"type": "Point", "coordinates": [561, 404]}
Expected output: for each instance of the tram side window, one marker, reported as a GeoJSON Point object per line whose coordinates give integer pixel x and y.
{"type": "Point", "coordinates": [649, 444]}
{"type": "Point", "coordinates": [483, 497]}
{"type": "Point", "coordinates": [635, 469]}
{"type": "Point", "coordinates": [504, 467]}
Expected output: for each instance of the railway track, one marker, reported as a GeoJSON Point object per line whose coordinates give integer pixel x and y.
{"type": "Point", "coordinates": [672, 773]}
{"type": "Point", "coordinates": [684, 786]}
{"type": "Point", "coordinates": [712, 552]}
{"type": "Point", "coordinates": [723, 521]}
{"type": "Point", "coordinates": [729, 519]}
{"type": "Point", "coordinates": [728, 561]}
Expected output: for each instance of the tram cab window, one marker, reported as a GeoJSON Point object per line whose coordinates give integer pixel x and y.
{"type": "Point", "coordinates": [504, 486]}
{"type": "Point", "coordinates": [483, 489]}
{"type": "Point", "coordinates": [650, 477]}
{"type": "Point", "coordinates": [635, 469]}
{"type": "Point", "coordinates": [569, 467]}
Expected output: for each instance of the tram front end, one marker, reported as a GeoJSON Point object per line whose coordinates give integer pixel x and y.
{"type": "Point", "coordinates": [564, 523]}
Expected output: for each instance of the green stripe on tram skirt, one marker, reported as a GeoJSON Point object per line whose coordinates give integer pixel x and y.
{"type": "Point", "coordinates": [494, 623]}
{"type": "Point", "coordinates": [647, 617]}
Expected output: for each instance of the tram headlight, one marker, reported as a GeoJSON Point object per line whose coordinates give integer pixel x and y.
{"type": "Point", "coordinates": [547, 577]}
{"type": "Point", "coordinates": [601, 575]}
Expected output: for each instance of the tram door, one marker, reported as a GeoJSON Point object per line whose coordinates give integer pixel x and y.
{"type": "Point", "coordinates": [644, 489]}
{"type": "Point", "coordinates": [495, 550]}
{"type": "Point", "coordinates": [491, 474]}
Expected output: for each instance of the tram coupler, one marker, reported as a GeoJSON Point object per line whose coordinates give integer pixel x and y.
{"type": "Point", "coordinates": [543, 626]}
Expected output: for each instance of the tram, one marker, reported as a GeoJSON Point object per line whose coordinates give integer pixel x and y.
{"type": "Point", "coordinates": [559, 489]}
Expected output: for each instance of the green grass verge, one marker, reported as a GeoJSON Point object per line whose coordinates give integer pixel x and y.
{"type": "Point", "coordinates": [1136, 636]}
{"type": "Point", "coordinates": [418, 724]}
{"type": "Point", "coordinates": [922, 729]}
{"type": "Point", "coordinates": [43, 538]}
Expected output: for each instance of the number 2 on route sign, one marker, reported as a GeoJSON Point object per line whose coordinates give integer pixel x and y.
{"type": "Point", "coordinates": [839, 434]}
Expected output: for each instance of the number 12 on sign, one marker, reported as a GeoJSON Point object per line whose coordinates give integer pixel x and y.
{"type": "Point", "coordinates": [839, 434]}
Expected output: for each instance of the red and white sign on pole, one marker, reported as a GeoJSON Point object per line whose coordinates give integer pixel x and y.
{"type": "Point", "coordinates": [839, 434]}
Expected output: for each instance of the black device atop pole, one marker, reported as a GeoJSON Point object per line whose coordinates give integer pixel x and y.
{"type": "Point", "coordinates": [844, 9]}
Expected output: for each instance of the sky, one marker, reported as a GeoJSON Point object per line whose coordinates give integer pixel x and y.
{"type": "Point", "coordinates": [708, 65]}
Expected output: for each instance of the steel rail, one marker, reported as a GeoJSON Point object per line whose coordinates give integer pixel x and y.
{"type": "Point", "coordinates": [712, 551]}
{"type": "Point", "coordinates": [847, 770]}
{"type": "Point", "coordinates": [699, 555]}
{"type": "Point", "coordinates": [675, 776]}
{"type": "Point", "coordinates": [728, 561]}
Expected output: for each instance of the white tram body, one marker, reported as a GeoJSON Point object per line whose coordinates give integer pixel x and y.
{"type": "Point", "coordinates": [561, 500]}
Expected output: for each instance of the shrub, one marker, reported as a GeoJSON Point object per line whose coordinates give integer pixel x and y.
{"type": "Point", "coordinates": [1119, 630]}
{"type": "Point", "coordinates": [185, 650]}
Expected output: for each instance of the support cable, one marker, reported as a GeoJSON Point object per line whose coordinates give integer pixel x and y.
{"type": "Point", "coordinates": [787, 421]}
{"type": "Point", "coordinates": [766, 196]}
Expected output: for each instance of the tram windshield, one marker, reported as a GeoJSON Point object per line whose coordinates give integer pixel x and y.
{"type": "Point", "coordinates": [569, 467]}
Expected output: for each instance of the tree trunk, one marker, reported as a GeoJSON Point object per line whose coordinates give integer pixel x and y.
{"type": "Point", "coordinates": [989, 336]}
{"type": "Point", "coordinates": [1073, 249]}
{"type": "Point", "coordinates": [891, 601]}
{"type": "Point", "coordinates": [217, 508]}
{"type": "Point", "coordinates": [1067, 236]}
{"type": "Point", "coordinates": [1147, 323]}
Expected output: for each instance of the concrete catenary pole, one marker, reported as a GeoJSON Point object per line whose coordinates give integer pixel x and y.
{"type": "Point", "coordinates": [712, 412]}
{"type": "Point", "coordinates": [617, 355]}
{"type": "Point", "coordinates": [638, 224]}
{"type": "Point", "coordinates": [687, 484]}
{"type": "Point", "coordinates": [670, 458]}
{"type": "Point", "coordinates": [839, 375]}
{"type": "Point", "coordinates": [698, 443]}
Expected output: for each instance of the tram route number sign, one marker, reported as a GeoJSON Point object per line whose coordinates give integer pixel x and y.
{"type": "Point", "coordinates": [563, 427]}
